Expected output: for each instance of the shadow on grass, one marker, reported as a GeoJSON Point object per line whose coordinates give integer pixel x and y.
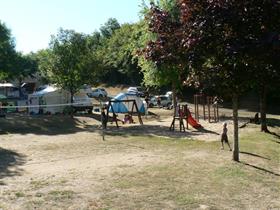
{"type": "Point", "coordinates": [274, 134]}
{"type": "Point", "coordinates": [149, 130]}
{"type": "Point", "coordinates": [255, 155]}
{"type": "Point", "coordinates": [272, 122]}
{"type": "Point", "coordinates": [9, 162]}
{"type": "Point", "coordinates": [41, 125]}
{"type": "Point", "coordinates": [260, 168]}
{"type": "Point", "coordinates": [204, 130]}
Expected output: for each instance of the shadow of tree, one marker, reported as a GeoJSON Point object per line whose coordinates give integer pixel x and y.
{"type": "Point", "coordinates": [260, 168]}
{"type": "Point", "coordinates": [272, 122]}
{"type": "Point", "coordinates": [9, 162]}
{"type": "Point", "coordinates": [274, 134]}
{"type": "Point", "coordinates": [255, 155]}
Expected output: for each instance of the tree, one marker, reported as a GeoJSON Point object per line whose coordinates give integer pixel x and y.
{"type": "Point", "coordinates": [70, 62]}
{"type": "Point", "coordinates": [25, 66]}
{"type": "Point", "coordinates": [118, 56]}
{"type": "Point", "coordinates": [222, 33]}
{"type": "Point", "coordinates": [264, 28]}
{"type": "Point", "coordinates": [107, 30]}
{"type": "Point", "coordinates": [7, 52]}
{"type": "Point", "coordinates": [164, 48]}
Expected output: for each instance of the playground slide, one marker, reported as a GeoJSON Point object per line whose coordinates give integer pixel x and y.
{"type": "Point", "coordinates": [193, 122]}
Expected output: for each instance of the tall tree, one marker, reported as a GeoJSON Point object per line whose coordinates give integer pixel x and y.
{"type": "Point", "coordinates": [264, 28]}
{"type": "Point", "coordinates": [70, 62]}
{"type": "Point", "coordinates": [7, 52]}
{"type": "Point", "coordinates": [221, 34]}
{"type": "Point", "coordinates": [164, 48]}
{"type": "Point", "coordinates": [118, 55]}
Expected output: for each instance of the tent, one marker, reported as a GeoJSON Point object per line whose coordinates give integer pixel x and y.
{"type": "Point", "coordinates": [49, 95]}
{"type": "Point", "coordinates": [125, 107]}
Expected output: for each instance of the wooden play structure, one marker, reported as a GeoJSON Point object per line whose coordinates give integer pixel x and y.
{"type": "Point", "coordinates": [183, 113]}
{"type": "Point", "coordinates": [180, 116]}
{"type": "Point", "coordinates": [134, 110]}
{"type": "Point", "coordinates": [211, 113]}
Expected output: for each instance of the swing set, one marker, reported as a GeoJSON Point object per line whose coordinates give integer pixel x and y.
{"type": "Point", "coordinates": [134, 109]}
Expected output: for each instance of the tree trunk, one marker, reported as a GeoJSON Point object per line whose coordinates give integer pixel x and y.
{"type": "Point", "coordinates": [174, 97]}
{"type": "Point", "coordinates": [263, 91]}
{"type": "Point", "coordinates": [235, 126]}
{"type": "Point", "coordinates": [72, 101]}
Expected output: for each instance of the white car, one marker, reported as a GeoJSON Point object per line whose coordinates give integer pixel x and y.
{"type": "Point", "coordinates": [160, 101]}
{"type": "Point", "coordinates": [138, 90]}
{"type": "Point", "coordinates": [98, 93]}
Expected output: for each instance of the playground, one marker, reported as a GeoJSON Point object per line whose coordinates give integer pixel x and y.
{"type": "Point", "coordinates": [55, 162]}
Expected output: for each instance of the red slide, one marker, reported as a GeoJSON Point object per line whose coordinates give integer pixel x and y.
{"type": "Point", "coordinates": [193, 122]}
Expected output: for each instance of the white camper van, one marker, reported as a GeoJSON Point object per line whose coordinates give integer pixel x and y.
{"type": "Point", "coordinates": [81, 100]}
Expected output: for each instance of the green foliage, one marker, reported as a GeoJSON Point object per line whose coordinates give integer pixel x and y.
{"type": "Point", "coordinates": [118, 55]}
{"type": "Point", "coordinates": [228, 39]}
{"type": "Point", "coordinates": [43, 58]}
{"type": "Point", "coordinates": [7, 52]}
{"type": "Point", "coordinates": [25, 66]}
{"type": "Point", "coordinates": [107, 30]}
{"type": "Point", "coordinates": [69, 62]}
{"type": "Point", "coordinates": [162, 46]}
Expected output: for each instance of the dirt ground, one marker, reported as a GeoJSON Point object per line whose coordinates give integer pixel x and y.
{"type": "Point", "coordinates": [69, 166]}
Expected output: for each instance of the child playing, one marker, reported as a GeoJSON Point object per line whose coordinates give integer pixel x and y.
{"type": "Point", "coordinates": [224, 137]}
{"type": "Point", "coordinates": [127, 119]}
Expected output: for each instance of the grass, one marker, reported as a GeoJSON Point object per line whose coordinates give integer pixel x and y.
{"type": "Point", "coordinates": [38, 184]}
{"type": "Point", "coordinates": [19, 194]}
{"type": "Point", "coordinates": [58, 195]}
{"type": "Point", "coordinates": [209, 179]}
{"type": "Point", "coordinates": [148, 173]}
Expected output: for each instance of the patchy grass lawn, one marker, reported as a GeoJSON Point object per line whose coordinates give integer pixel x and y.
{"type": "Point", "coordinates": [77, 170]}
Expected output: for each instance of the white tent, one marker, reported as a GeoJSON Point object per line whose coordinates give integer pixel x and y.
{"type": "Point", "coordinates": [54, 99]}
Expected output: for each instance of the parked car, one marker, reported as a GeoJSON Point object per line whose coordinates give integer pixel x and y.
{"type": "Point", "coordinates": [98, 93]}
{"type": "Point", "coordinates": [138, 90]}
{"type": "Point", "coordinates": [160, 101]}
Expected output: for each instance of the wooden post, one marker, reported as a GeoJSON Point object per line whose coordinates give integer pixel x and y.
{"type": "Point", "coordinates": [198, 109]}
{"type": "Point", "coordinates": [194, 99]}
{"type": "Point", "coordinates": [218, 118]}
{"type": "Point", "coordinates": [172, 126]}
{"type": "Point", "coordinates": [139, 115]}
{"type": "Point", "coordinates": [114, 114]}
{"type": "Point", "coordinates": [203, 101]}
{"type": "Point", "coordinates": [208, 104]}
{"type": "Point", "coordinates": [214, 107]}
{"type": "Point", "coordinates": [186, 115]}
{"type": "Point", "coordinates": [196, 104]}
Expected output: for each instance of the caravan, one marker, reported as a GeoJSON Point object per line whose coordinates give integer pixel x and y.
{"type": "Point", "coordinates": [9, 90]}
{"type": "Point", "coordinates": [48, 100]}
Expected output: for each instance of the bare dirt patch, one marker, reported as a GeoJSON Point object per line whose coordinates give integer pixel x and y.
{"type": "Point", "coordinates": [55, 162]}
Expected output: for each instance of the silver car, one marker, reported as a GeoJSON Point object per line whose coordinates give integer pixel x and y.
{"type": "Point", "coordinates": [98, 93]}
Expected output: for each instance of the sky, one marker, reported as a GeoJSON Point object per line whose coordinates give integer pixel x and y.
{"type": "Point", "coordinates": [32, 22]}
